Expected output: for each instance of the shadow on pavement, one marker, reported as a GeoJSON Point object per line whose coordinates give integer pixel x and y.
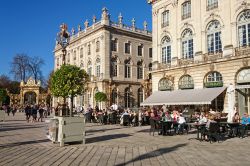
{"type": "Point", "coordinates": [18, 128]}
{"type": "Point", "coordinates": [154, 153]}
{"type": "Point", "coordinates": [103, 130]}
{"type": "Point", "coordinates": [23, 143]}
{"type": "Point", "coordinates": [105, 138]}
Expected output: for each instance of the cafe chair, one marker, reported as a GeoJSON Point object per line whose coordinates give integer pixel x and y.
{"type": "Point", "coordinates": [213, 132]}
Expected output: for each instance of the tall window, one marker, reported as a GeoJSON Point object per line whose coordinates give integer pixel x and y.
{"type": "Point", "coordinates": [187, 44]}
{"type": "Point", "coordinates": [165, 18]}
{"type": "Point", "coordinates": [127, 98]}
{"type": "Point", "coordinates": [140, 50]}
{"type": "Point", "coordinates": [150, 52]}
{"type": "Point", "coordinates": [186, 82]}
{"type": "Point", "coordinates": [150, 69]}
{"type": "Point", "coordinates": [113, 67]}
{"type": "Point", "coordinates": [139, 70]}
{"type": "Point", "coordinates": [127, 69]}
{"type": "Point", "coordinates": [57, 62]}
{"type": "Point", "coordinates": [127, 48]}
{"type": "Point", "coordinates": [114, 95]}
{"type": "Point", "coordinates": [166, 50]}
{"type": "Point", "coordinates": [213, 79]}
{"type": "Point", "coordinates": [81, 53]}
{"type": "Point", "coordinates": [140, 96]}
{"type": "Point", "coordinates": [74, 55]}
{"type": "Point", "coordinates": [214, 37]}
{"type": "Point", "coordinates": [81, 64]}
{"type": "Point", "coordinates": [89, 71]}
{"type": "Point", "coordinates": [98, 67]}
{"type": "Point", "coordinates": [68, 59]}
{"type": "Point", "coordinates": [212, 4]}
{"type": "Point", "coordinates": [97, 46]}
{"type": "Point", "coordinates": [186, 10]}
{"type": "Point", "coordinates": [114, 45]}
{"type": "Point", "coordinates": [89, 49]}
{"type": "Point", "coordinates": [244, 28]}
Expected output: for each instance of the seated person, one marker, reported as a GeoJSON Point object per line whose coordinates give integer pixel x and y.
{"type": "Point", "coordinates": [236, 117]}
{"type": "Point", "coordinates": [245, 119]}
{"type": "Point", "coordinates": [121, 119]}
{"type": "Point", "coordinates": [181, 123]}
{"type": "Point", "coordinates": [203, 119]}
{"type": "Point", "coordinates": [167, 117]}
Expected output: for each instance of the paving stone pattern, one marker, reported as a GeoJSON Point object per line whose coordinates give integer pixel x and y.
{"type": "Point", "coordinates": [25, 144]}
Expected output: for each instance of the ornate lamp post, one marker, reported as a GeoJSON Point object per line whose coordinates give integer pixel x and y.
{"type": "Point", "coordinates": [63, 39]}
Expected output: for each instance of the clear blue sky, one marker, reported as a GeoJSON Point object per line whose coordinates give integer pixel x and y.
{"type": "Point", "coordinates": [30, 26]}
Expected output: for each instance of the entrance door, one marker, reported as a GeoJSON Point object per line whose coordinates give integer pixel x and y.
{"type": "Point", "coordinates": [247, 100]}
{"type": "Point", "coordinates": [244, 100]}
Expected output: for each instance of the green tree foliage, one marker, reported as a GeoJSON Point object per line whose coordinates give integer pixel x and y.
{"type": "Point", "coordinates": [100, 97]}
{"type": "Point", "coordinates": [68, 81]}
{"type": "Point", "coordinates": [3, 96]}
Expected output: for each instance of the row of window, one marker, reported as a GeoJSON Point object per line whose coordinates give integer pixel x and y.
{"type": "Point", "coordinates": [114, 68]}
{"type": "Point", "coordinates": [213, 35]}
{"type": "Point", "coordinates": [127, 69]}
{"type": "Point", "coordinates": [127, 97]}
{"type": "Point", "coordinates": [186, 11]}
{"type": "Point", "coordinates": [127, 48]}
{"type": "Point", "coordinates": [212, 79]}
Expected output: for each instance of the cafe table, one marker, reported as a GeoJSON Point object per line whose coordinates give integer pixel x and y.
{"type": "Point", "coordinates": [199, 127]}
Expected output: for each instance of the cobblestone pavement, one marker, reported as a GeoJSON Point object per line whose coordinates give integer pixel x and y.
{"type": "Point", "coordinates": [25, 144]}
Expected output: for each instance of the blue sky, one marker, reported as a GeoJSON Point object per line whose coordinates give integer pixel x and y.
{"type": "Point", "coordinates": [30, 26]}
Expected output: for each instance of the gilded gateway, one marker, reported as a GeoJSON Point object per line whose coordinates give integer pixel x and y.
{"type": "Point", "coordinates": [30, 93]}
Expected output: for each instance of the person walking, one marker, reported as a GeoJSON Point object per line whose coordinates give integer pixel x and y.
{"type": "Point", "coordinates": [41, 111]}
{"type": "Point", "coordinates": [27, 112]}
{"type": "Point", "coordinates": [34, 113]}
{"type": "Point", "coordinates": [14, 110]}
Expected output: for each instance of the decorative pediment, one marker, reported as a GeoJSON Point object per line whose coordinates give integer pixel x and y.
{"type": "Point", "coordinates": [31, 82]}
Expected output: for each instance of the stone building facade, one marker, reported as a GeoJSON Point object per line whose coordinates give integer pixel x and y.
{"type": "Point", "coordinates": [117, 58]}
{"type": "Point", "coordinates": [202, 44]}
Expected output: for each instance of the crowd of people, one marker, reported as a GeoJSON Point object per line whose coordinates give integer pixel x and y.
{"type": "Point", "coordinates": [33, 113]}
{"type": "Point", "coordinates": [36, 113]}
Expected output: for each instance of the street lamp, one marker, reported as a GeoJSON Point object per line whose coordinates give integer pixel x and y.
{"type": "Point", "coordinates": [63, 39]}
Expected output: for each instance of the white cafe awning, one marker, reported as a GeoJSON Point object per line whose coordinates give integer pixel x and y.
{"type": "Point", "coordinates": [242, 86]}
{"type": "Point", "coordinates": [184, 97]}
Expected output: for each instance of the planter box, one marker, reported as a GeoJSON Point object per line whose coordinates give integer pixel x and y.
{"type": "Point", "coordinates": [71, 129]}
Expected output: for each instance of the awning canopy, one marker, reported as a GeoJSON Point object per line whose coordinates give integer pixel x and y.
{"type": "Point", "coordinates": [242, 86]}
{"type": "Point", "coordinates": [184, 97]}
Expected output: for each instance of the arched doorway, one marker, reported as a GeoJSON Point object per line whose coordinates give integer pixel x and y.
{"type": "Point", "coordinates": [30, 98]}
{"type": "Point", "coordinates": [243, 89]}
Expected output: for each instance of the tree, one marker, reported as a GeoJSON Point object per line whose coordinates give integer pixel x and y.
{"type": "Point", "coordinates": [24, 66]}
{"type": "Point", "coordinates": [100, 97]}
{"type": "Point", "coordinates": [20, 67]}
{"type": "Point", "coordinates": [4, 81]}
{"type": "Point", "coordinates": [3, 96]}
{"type": "Point", "coordinates": [35, 65]}
{"type": "Point", "coordinates": [68, 81]}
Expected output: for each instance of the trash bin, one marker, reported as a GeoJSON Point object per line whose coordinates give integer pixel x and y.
{"type": "Point", "coordinates": [52, 129]}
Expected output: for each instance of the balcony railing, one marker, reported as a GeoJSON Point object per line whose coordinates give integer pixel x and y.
{"type": "Point", "coordinates": [164, 24]}
{"type": "Point", "coordinates": [212, 56]}
{"type": "Point", "coordinates": [212, 6]}
{"type": "Point", "coordinates": [185, 61]}
{"type": "Point", "coordinates": [185, 16]}
{"type": "Point", "coordinates": [213, 84]}
{"type": "Point", "coordinates": [239, 51]}
{"type": "Point", "coordinates": [186, 86]}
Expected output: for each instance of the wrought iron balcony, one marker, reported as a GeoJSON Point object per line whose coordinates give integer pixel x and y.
{"type": "Point", "coordinates": [212, 56]}
{"type": "Point", "coordinates": [245, 50]}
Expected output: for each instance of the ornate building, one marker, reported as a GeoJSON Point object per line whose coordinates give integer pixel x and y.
{"type": "Point", "coordinates": [116, 56]}
{"type": "Point", "coordinates": [30, 93]}
{"type": "Point", "coordinates": [202, 44]}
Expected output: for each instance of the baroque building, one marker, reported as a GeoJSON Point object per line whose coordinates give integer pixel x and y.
{"type": "Point", "coordinates": [117, 58]}
{"type": "Point", "coordinates": [201, 44]}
